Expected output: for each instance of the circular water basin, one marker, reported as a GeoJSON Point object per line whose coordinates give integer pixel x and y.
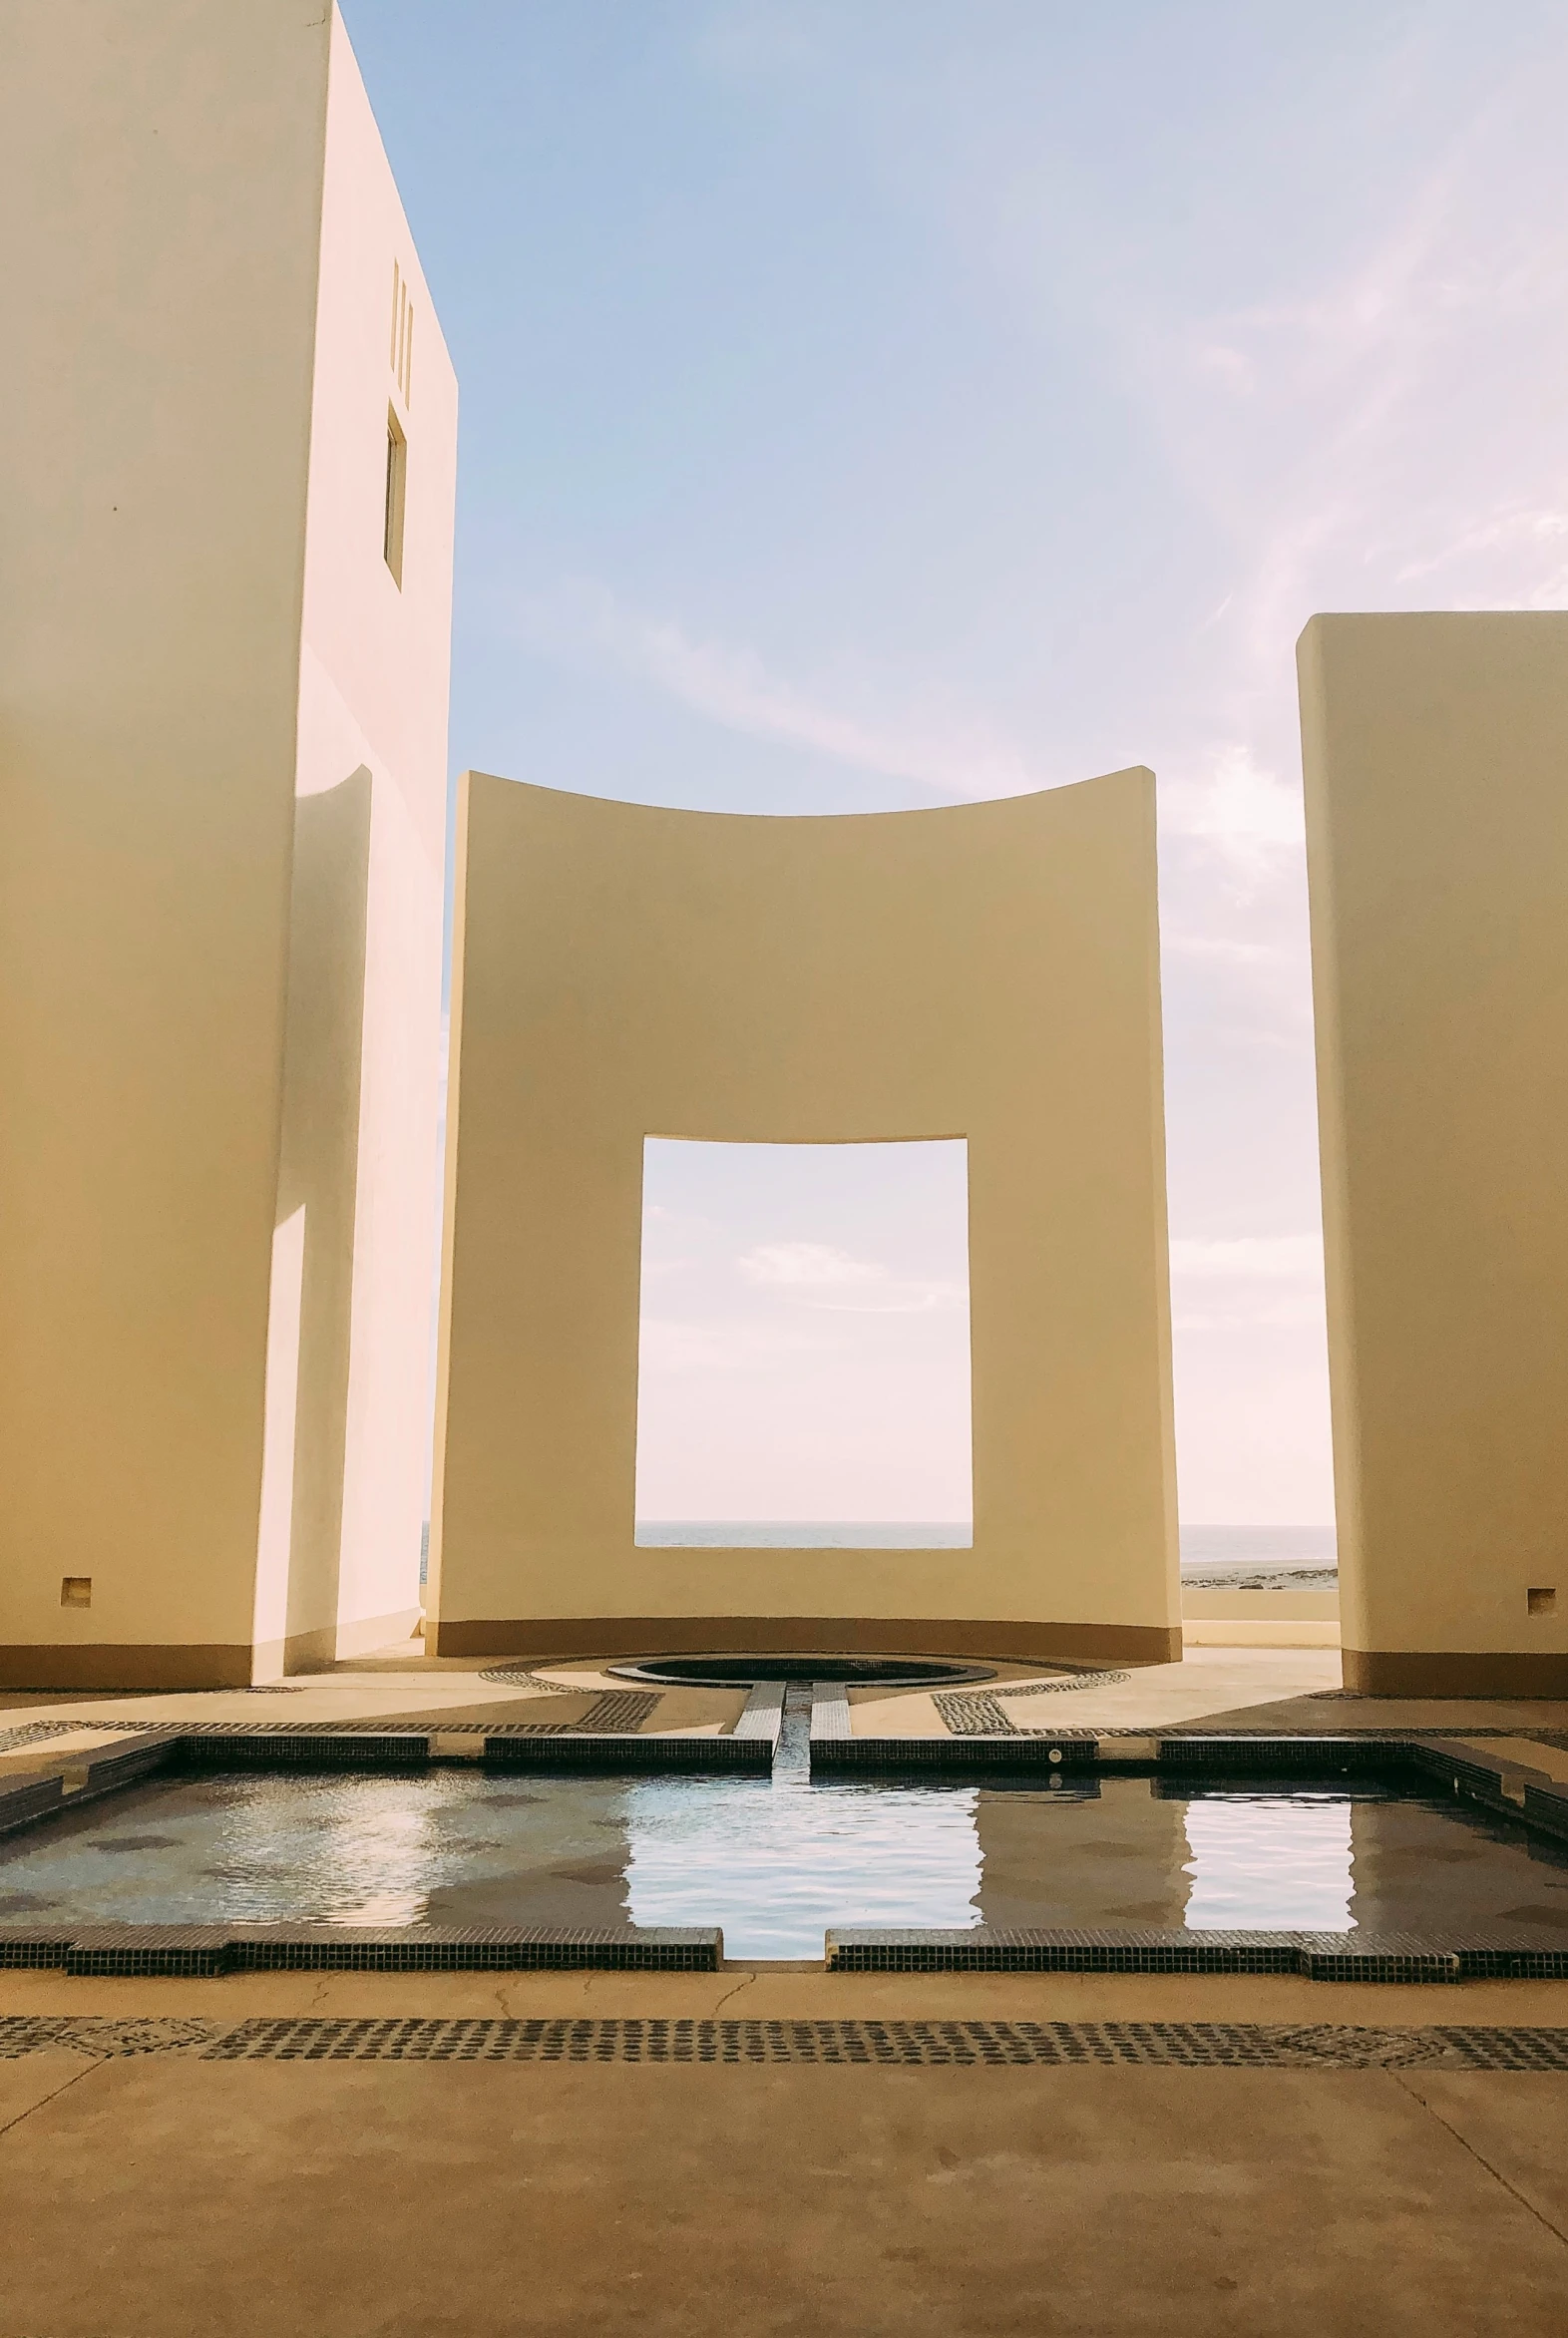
{"type": "Point", "coordinates": [857, 1671]}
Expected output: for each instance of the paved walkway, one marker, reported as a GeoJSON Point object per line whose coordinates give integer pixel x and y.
{"type": "Point", "coordinates": [162, 2195]}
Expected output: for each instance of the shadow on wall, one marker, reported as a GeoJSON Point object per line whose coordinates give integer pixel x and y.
{"type": "Point", "coordinates": [312, 1315]}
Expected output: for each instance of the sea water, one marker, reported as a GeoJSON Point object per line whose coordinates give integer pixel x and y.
{"type": "Point", "coordinates": [1228, 1558]}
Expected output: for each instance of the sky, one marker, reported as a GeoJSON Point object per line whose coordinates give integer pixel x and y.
{"type": "Point", "coordinates": [878, 403]}
{"type": "Point", "coordinates": [805, 1325]}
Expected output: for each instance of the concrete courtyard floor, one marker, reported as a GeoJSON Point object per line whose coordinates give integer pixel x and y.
{"type": "Point", "coordinates": [1220, 1688]}
{"type": "Point", "coordinates": [158, 2195]}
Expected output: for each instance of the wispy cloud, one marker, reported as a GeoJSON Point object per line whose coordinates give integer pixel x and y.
{"type": "Point", "coordinates": [806, 1272]}
{"type": "Point", "coordinates": [1237, 807]}
{"type": "Point", "coordinates": [583, 622]}
{"type": "Point", "coordinates": [809, 1266]}
{"type": "Point", "coordinates": [1384, 428]}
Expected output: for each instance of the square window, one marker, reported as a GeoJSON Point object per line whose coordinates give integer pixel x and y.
{"type": "Point", "coordinates": [75, 1591]}
{"type": "Point", "coordinates": [804, 1353]}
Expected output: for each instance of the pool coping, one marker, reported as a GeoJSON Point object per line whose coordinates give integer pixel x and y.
{"type": "Point", "coordinates": [205, 1951]}
{"type": "Point", "coordinates": [1399, 1957]}
{"type": "Point", "coordinates": [1498, 1782]}
{"type": "Point", "coordinates": [1510, 1788]}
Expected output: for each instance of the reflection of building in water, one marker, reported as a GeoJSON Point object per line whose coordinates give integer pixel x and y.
{"type": "Point", "coordinates": [552, 1850]}
{"type": "Point", "coordinates": [1049, 1862]}
{"type": "Point", "coordinates": [1408, 1855]}
{"type": "Point", "coordinates": [1268, 1861]}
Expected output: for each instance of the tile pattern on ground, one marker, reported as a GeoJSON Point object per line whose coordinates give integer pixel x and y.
{"type": "Point", "coordinates": [38, 1732]}
{"type": "Point", "coordinates": [518, 1676]}
{"type": "Point", "coordinates": [868, 2044]}
{"type": "Point", "coordinates": [615, 1709]}
{"type": "Point", "coordinates": [981, 1714]}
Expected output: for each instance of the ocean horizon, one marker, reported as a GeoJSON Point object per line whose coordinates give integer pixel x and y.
{"type": "Point", "coordinates": [1204, 1548]}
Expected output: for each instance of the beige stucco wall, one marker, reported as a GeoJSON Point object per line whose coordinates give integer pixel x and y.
{"type": "Point", "coordinates": [990, 972]}
{"type": "Point", "coordinates": [173, 471]}
{"type": "Point", "coordinates": [1435, 750]}
{"type": "Point", "coordinates": [362, 1101]}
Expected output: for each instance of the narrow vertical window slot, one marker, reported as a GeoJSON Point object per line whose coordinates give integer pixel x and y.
{"type": "Point", "coordinates": [397, 481]}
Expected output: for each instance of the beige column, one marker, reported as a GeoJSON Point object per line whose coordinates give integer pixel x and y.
{"type": "Point", "coordinates": [1436, 751]}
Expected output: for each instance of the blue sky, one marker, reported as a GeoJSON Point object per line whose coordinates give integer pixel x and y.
{"type": "Point", "coordinates": [877, 403]}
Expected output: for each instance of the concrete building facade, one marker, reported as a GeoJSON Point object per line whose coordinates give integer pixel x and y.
{"type": "Point", "coordinates": [225, 626]}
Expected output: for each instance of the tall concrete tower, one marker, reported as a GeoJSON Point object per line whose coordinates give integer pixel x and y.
{"type": "Point", "coordinates": [225, 569]}
{"type": "Point", "coordinates": [1436, 751]}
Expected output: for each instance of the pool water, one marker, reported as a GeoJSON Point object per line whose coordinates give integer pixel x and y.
{"type": "Point", "coordinates": [776, 1862]}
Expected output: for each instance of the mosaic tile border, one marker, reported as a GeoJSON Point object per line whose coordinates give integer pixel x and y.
{"type": "Point", "coordinates": [717, 2043]}
{"type": "Point", "coordinates": [981, 1712]}
{"type": "Point", "coordinates": [519, 1676]}
{"type": "Point", "coordinates": [204, 1951]}
{"type": "Point", "coordinates": [571, 1750]}
{"type": "Point", "coordinates": [34, 1733]}
{"type": "Point", "coordinates": [1401, 1959]}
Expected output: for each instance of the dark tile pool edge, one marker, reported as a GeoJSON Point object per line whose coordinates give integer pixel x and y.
{"type": "Point", "coordinates": [84, 1778]}
{"type": "Point", "coordinates": [204, 1951]}
{"type": "Point", "coordinates": [1520, 1788]}
{"type": "Point", "coordinates": [72, 1781]}
{"type": "Point", "coordinates": [750, 1755]}
{"type": "Point", "coordinates": [1312, 1956]}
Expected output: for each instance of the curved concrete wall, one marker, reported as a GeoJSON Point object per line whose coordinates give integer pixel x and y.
{"type": "Point", "coordinates": [990, 972]}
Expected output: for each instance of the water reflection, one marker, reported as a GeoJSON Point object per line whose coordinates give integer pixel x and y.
{"type": "Point", "coordinates": [440, 1847]}
{"type": "Point", "coordinates": [778, 1862]}
{"type": "Point", "coordinates": [1269, 1862]}
{"type": "Point", "coordinates": [379, 1857]}
{"type": "Point", "coordinates": [776, 1866]}
{"type": "Point", "coordinates": [1102, 1852]}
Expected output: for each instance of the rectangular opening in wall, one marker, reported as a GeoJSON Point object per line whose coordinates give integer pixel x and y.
{"type": "Point", "coordinates": [75, 1591]}
{"type": "Point", "coordinates": [1542, 1601]}
{"type": "Point", "coordinates": [804, 1358]}
{"type": "Point", "coordinates": [397, 479]}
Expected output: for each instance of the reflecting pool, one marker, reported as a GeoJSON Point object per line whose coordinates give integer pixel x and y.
{"type": "Point", "coordinates": [778, 1862]}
